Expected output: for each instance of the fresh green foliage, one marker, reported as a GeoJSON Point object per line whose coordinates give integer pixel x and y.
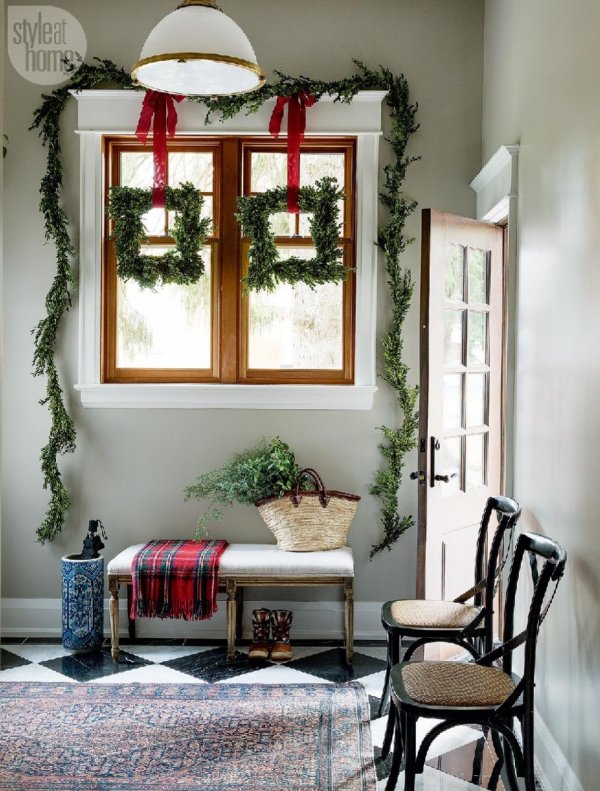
{"type": "Point", "coordinates": [284, 85]}
{"type": "Point", "coordinates": [266, 270]}
{"type": "Point", "coordinates": [268, 470]}
{"type": "Point", "coordinates": [396, 442]}
{"type": "Point", "coordinates": [184, 265]}
{"type": "Point", "coordinates": [62, 429]}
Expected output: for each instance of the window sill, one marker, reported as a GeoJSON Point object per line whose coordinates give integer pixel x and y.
{"type": "Point", "coordinates": [219, 396]}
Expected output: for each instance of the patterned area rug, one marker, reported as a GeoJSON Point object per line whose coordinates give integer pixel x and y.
{"type": "Point", "coordinates": [148, 737]}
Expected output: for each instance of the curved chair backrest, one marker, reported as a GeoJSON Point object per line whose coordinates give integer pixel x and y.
{"type": "Point", "coordinates": [555, 558]}
{"type": "Point", "coordinates": [507, 513]}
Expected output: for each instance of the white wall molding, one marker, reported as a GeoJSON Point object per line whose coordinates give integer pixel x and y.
{"type": "Point", "coordinates": [496, 183]}
{"type": "Point", "coordinates": [118, 111]}
{"type": "Point", "coordinates": [551, 765]}
{"type": "Point", "coordinates": [322, 620]}
{"type": "Point", "coordinates": [97, 111]}
{"type": "Point", "coordinates": [218, 396]}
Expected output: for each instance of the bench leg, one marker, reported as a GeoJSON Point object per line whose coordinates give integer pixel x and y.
{"type": "Point", "coordinates": [113, 586]}
{"type": "Point", "coordinates": [130, 620]}
{"type": "Point", "coordinates": [231, 589]}
{"type": "Point", "coordinates": [349, 617]}
{"type": "Point", "coordinates": [239, 613]}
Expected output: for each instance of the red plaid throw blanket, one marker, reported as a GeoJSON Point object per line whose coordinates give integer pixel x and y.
{"type": "Point", "coordinates": [176, 579]}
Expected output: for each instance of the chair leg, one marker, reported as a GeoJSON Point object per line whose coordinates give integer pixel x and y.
{"type": "Point", "coordinates": [398, 750]}
{"type": "Point", "coordinates": [478, 758]}
{"type": "Point", "coordinates": [386, 681]}
{"type": "Point", "coordinates": [394, 646]}
{"type": "Point", "coordinates": [409, 729]}
{"type": "Point", "coordinates": [528, 751]}
{"type": "Point", "coordinates": [389, 731]}
{"type": "Point", "coordinates": [495, 775]}
{"type": "Point", "coordinates": [509, 762]}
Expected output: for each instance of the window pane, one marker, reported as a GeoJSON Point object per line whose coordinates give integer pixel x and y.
{"type": "Point", "coordinates": [193, 166]}
{"type": "Point", "coordinates": [282, 224]}
{"type": "Point", "coordinates": [166, 328]}
{"type": "Point", "coordinates": [475, 460]}
{"type": "Point", "coordinates": [454, 282]}
{"type": "Point", "coordinates": [269, 169]}
{"type": "Point", "coordinates": [452, 401]}
{"type": "Point", "coordinates": [296, 327]}
{"type": "Point", "coordinates": [451, 465]}
{"type": "Point", "coordinates": [137, 169]}
{"type": "Point", "coordinates": [476, 399]}
{"type": "Point", "coordinates": [154, 222]}
{"type": "Point", "coordinates": [453, 337]}
{"type": "Point", "coordinates": [478, 276]}
{"type": "Point", "coordinates": [315, 166]}
{"type": "Point", "coordinates": [477, 338]}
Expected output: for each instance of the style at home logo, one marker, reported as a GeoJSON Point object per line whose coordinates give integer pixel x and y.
{"type": "Point", "coordinates": [40, 37]}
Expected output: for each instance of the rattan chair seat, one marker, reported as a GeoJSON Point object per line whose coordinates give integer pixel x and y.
{"type": "Point", "coordinates": [433, 614]}
{"type": "Point", "coordinates": [455, 684]}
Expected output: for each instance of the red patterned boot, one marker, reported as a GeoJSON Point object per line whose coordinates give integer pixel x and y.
{"type": "Point", "coordinates": [281, 622]}
{"type": "Point", "coordinates": [261, 628]}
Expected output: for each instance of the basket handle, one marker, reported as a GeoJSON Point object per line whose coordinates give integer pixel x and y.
{"type": "Point", "coordinates": [296, 496]}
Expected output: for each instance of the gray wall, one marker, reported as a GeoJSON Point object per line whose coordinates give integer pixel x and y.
{"type": "Point", "coordinates": [541, 89]}
{"type": "Point", "coordinates": [130, 466]}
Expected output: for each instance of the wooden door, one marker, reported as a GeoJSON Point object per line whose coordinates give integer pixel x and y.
{"type": "Point", "coordinates": [460, 442]}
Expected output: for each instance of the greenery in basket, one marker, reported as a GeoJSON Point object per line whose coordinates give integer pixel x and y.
{"type": "Point", "coordinates": [268, 470]}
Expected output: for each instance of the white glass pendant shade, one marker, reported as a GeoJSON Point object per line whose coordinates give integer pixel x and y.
{"type": "Point", "coordinates": [198, 51]}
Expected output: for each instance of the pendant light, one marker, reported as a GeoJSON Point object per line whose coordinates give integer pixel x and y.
{"type": "Point", "coordinates": [198, 51]}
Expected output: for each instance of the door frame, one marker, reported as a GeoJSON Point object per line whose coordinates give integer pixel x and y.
{"type": "Point", "coordinates": [496, 187]}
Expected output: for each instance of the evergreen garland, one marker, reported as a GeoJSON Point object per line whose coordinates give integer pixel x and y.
{"type": "Point", "coordinates": [391, 239]}
{"type": "Point", "coordinates": [266, 269]}
{"type": "Point", "coordinates": [56, 225]}
{"type": "Point", "coordinates": [184, 265]}
{"type": "Point", "coordinates": [397, 442]}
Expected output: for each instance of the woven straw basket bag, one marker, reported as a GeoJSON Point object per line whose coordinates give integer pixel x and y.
{"type": "Point", "coordinates": [309, 521]}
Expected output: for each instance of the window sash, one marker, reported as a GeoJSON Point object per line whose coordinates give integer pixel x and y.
{"type": "Point", "coordinates": [230, 309]}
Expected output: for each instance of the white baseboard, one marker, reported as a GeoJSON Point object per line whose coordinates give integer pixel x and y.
{"type": "Point", "coordinates": [551, 765]}
{"type": "Point", "coordinates": [312, 620]}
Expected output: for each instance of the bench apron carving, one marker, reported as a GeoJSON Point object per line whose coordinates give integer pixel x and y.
{"type": "Point", "coordinates": [250, 565]}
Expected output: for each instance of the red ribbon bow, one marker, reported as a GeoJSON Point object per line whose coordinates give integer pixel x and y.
{"type": "Point", "coordinates": [296, 126]}
{"type": "Point", "coordinates": [161, 107]}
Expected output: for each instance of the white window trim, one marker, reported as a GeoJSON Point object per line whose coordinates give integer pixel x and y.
{"type": "Point", "coordinates": [362, 117]}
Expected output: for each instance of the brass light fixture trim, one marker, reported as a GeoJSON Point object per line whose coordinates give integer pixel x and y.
{"type": "Point", "coordinates": [184, 56]}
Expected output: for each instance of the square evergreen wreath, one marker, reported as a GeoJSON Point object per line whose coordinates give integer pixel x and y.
{"type": "Point", "coordinates": [184, 264]}
{"type": "Point", "coordinates": [266, 269]}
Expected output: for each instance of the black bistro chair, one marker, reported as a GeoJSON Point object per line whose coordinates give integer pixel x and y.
{"type": "Point", "coordinates": [470, 626]}
{"type": "Point", "coordinates": [480, 693]}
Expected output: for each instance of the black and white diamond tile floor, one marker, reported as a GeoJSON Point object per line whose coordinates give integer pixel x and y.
{"type": "Point", "coordinates": [450, 759]}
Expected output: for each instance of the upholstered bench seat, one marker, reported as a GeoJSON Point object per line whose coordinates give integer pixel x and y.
{"type": "Point", "coordinates": [262, 559]}
{"type": "Point", "coordinates": [244, 565]}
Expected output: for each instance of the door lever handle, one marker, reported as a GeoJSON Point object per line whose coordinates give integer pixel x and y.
{"type": "Point", "coordinates": [419, 475]}
{"type": "Point", "coordinates": [445, 478]}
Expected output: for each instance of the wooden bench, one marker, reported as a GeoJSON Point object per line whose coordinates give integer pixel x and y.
{"type": "Point", "coordinates": [247, 565]}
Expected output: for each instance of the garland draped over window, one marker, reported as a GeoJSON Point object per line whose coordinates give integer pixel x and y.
{"type": "Point", "coordinates": [397, 442]}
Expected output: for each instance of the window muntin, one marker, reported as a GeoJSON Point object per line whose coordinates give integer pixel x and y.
{"type": "Point", "coordinates": [210, 331]}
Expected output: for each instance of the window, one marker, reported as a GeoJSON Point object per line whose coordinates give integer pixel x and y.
{"type": "Point", "coordinates": [210, 332]}
{"type": "Point", "coordinates": [106, 123]}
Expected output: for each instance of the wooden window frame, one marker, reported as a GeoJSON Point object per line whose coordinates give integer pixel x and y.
{"type": "Point", "coordinates": [229, 343]}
